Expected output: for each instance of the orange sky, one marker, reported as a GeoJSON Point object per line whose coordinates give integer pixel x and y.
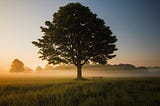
{"type": "Point", "coordinates": [20, 21]}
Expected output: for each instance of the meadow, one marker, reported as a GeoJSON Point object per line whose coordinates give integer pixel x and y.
{"type": "Point", "coordinates": [48, 91]}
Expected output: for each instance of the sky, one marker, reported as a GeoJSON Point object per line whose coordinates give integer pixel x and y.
{"type": "Point", "coordinates": [136, 23]}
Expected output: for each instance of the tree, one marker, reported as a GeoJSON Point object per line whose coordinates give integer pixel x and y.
{"type": "Point", "coordinates": [48, 67]}
{"type": "Point", "coordinates": [76, 36]}
{"type": "Point", "coordinates": [39, 69]}
{"type": "Point", "coordinates": [17, 66]}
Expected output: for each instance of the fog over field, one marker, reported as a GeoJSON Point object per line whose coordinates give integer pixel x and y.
{"type": "Point", "coordinates": [86, 73]}
{"type": "Point", "coordinates": [92, 71]}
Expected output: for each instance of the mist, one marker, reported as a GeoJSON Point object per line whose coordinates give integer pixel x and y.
{"type": "Point", "coordinates": [86, 73]}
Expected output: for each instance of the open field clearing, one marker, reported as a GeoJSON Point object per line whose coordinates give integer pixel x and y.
{"type": "Point", "coordinates": [47, 91]}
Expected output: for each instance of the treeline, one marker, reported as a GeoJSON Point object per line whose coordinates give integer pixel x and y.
{"type": "Point", "coordinates": [18, 66]}
{"type": "Point", "coordinates": [119, 67]}
{"type": "Point", "coordinates": [95, 67]}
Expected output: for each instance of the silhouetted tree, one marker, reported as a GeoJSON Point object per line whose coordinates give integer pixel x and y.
{"type": "Point", "coordinates": [39, 69]}
{"type": "Point", "coordinates": [76, 36]}
{"type": "Point", "coordinates": [48, 67]}
{"type": "Point", "coordinates": [17, 66]}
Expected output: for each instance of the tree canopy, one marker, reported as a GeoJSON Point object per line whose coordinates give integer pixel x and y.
{"type": "Point", "coordinates": [17, 66]}
{"type": "Point", "coordinates": [76, 36]}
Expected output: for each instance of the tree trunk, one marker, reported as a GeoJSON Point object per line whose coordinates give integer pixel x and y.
{"type": "Point", "coordinates": [79, 72]}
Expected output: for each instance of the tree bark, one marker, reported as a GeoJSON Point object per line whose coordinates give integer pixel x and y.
{"type": "Point", "coordinates": [79, 72]}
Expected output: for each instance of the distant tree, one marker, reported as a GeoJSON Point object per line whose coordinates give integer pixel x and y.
{"type": "Point", "coordinates": [39, 69]}
{"type": "Point", "coordinates": [48, 67]}
{"type": "Point", "coordinates": [28, 70]}
{"type": "Point", "coordinates": [76, 36]}
{"type": "Point", "coordinates": [17, 66]}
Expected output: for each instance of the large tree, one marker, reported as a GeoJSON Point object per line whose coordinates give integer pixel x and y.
{"type": "Point", "coordinates": [76, 36]}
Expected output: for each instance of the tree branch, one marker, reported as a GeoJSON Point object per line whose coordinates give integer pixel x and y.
{"type": "Point", "coordinates": [85, 60]}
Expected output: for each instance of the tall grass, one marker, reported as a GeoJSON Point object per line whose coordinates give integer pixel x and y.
{"type": "Point", "coordinates": [92, 92]}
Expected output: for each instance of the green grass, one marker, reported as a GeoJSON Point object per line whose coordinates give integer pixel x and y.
{"type": "Point", "coordinates": [69, 92]}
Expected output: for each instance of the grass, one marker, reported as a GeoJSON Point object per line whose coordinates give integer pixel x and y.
{"type": "Point", "coordinates": [69, 92]}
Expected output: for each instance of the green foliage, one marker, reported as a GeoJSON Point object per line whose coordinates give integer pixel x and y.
{"type": "Point", "coordinates": [93, 92]}
{"type": "Point", "coordinates": [76, 36]}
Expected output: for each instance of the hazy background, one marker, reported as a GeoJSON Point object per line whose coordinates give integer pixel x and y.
{"type": "Point", "coordinates": [136, 24]}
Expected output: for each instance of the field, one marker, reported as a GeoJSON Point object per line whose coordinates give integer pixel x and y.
{"type": "Point", "coordinates": [41, 91]}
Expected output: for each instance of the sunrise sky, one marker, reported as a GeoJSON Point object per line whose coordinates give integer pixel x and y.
{"type": "Point", "coordinates": [136, 23]}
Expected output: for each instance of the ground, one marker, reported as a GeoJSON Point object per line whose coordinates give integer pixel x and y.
{"type": "Point", "coordinates": [41, 91]}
